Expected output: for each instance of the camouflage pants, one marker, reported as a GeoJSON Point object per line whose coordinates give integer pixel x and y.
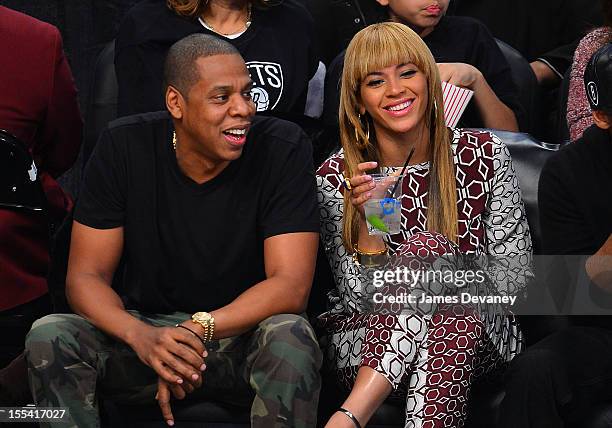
{"type": "Point", "coordinates": [274, 368]}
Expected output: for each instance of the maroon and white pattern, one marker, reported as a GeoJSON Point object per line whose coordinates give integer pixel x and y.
{"type": "Point", "coordinates": [431, 360]}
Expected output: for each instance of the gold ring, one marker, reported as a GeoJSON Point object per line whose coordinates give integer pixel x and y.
{"type": "Point", "coordinates": [347, 184]}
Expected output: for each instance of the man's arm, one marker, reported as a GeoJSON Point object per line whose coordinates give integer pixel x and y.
{"type": "Point", "coordinates": [94, 255]}
{"type": "Point", "coordinates": [174, 353]}
{"type": "Point", "coordinates": [289, 262]}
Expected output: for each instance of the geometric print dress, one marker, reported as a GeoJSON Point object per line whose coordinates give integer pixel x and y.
{"type": "Point", "coordinates": [430, 360]}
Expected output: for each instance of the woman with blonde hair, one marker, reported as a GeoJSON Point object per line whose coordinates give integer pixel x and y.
{"type": "Point", "coordinates": [275, 38]}
{"type": "Point", "coordinates": [459, 195]}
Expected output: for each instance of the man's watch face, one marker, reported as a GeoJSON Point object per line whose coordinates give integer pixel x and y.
{"type": "Point", "coordinates": [202, 316]}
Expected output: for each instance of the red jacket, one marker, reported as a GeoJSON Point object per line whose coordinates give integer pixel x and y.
{"type": "Point", "coordinates": [38, 104]}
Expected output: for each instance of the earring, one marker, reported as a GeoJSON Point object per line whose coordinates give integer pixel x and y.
{"type": "Point", "coordinates": [367, 134]}
{"type": "Point", "coordinates": [435, 110]}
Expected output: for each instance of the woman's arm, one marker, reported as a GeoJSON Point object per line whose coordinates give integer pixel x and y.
{"type": "Point", "coordinates": [348, 277]}
{"type": "Point", "coordinates": [507, 231]}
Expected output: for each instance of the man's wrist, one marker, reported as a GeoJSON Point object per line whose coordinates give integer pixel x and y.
{"type": "Point", "coordinates": [194, 326]}
{"type": "Point", "coordinates": [207, 322]}
{"type": "Point", "coordinates": [133, 331]}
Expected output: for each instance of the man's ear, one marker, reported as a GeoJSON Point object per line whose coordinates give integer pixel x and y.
{"type": "Point", "coordinates": [602, 119]}
{"type": "Point", "coordinates": [174, 102]}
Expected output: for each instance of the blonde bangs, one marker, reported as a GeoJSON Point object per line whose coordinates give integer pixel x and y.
{"type": "Point", "coordinates": [386, 44]}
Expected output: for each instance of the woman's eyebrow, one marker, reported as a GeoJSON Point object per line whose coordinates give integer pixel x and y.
{"type": "Point", "coordinates": [379, 73]}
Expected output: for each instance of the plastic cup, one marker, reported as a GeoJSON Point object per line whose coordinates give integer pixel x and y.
{"type": "Point", "coordinates": [383, 209]}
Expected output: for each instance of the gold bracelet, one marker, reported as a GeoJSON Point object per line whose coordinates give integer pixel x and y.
{"type": "Point", "coordinates": [370, 258]}
{"type": "Point", "coordinates": [371, 253]}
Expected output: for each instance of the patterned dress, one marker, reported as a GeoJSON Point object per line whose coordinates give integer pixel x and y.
{"type": "Point", "coordinates": [431, 360]}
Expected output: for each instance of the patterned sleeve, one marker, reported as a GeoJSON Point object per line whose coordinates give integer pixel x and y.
{"type": "Point", "coordinates": [508, 239]}
{"type": "Point", "coordinates": [578, 109]}
{"type": "Point", "coordinates": [348, 277]}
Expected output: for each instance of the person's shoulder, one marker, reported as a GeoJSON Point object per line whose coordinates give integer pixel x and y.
{"type": "Point", "coordinates": [475, 139]}
{"type": "Point", "coordinates": [276, 130]}
{"type": "Point", "coordinates": [590, 43]}
{"type": "Point", "coordinates": [17, 24]}
{"type": "Point", "coordinates": [582, 150]}
{"type": "Point", "coordinates": [292, 13]}
{"type": "Point", "coordinates": [125, 127]}
{"type": "Point", "coordinates": [333, 165]}
{"type": "Point", "coordinates": [463, 24]}
{"type": "Point", "coordinates": [596, 37]}
{"type": "Point", "coordinates": [572, 156]}
{"type": "Point", "coordinates": [479, 152]}
{"type": "Point", "coordinates": [330, 175]}
{"type": "Point", "coordinates": [150, 20]}
{"type": "Point", "coordinates": [279, 137]}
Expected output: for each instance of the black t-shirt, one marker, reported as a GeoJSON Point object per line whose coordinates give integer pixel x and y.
{"type": "Point", "coordinates": [189, 246]}
{"type": "Point", "coordinates": [278, 48]}
{"type": "Point", "coordinates": [455, 39]}
{"type": "Point", "coordinates": [575, 196]}
{"type": "Point", "coordinates": [575, 201]}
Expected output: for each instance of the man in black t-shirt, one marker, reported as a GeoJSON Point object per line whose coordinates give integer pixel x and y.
{"type": "Point", "coordinates": [557, 381]}
{"type": "Point", "coordinates": [215, 214]}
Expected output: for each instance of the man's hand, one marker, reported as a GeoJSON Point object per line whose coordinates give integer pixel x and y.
{"type": "Point", "coordinates": [178, 391]}
{"type": "Point", "coordinates": [175, 354]}
{"type": "Point", "coordinates": [459, 74]}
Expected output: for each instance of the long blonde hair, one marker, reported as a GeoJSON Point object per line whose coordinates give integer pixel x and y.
{"type": "Point", "coordinates": [374, 48]}
{"type": "Point", "coordinates": [194, 8]}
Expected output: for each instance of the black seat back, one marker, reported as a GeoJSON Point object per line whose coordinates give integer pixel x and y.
{"type": "Point", "coordinates": [102, 107]}
{"type": "Point", "coordinates": [526, 82]}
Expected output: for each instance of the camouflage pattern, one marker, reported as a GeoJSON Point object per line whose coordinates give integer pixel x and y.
{"type": "Point", "coordinates": [273, 368]}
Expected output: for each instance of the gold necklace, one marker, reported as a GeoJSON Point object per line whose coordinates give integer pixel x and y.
{"type": "Point", "coordinates": [246, 24]}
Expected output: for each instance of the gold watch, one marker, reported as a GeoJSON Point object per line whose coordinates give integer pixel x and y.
{"type": "Point", "coordinates": [207, 322]}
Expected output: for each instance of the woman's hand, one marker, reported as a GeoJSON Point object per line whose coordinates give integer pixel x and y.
{"type": "Point", "coordinates": [362, 186]}
{"type": "Point", "coordinates": [459, 74]}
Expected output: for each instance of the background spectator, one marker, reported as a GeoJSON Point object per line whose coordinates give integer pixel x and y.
{"type": "Point", "coordinates": [275, 39]}
{"type": "Point", "coordinates": [579, 115]}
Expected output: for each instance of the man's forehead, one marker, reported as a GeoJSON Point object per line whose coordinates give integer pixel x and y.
{"type": "Point", "coordinates": [223, 70]}
{"type": "Point", "coordinates": [231, 62]}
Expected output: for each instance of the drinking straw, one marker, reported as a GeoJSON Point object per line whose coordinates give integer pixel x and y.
{"type": "Point", "coordinates": [402, 171]}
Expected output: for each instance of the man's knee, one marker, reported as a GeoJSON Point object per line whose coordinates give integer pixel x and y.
{"type": "Point", "coordinates": [292, 338]}
{"type": "Point", "coordinates": [52, 334]}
